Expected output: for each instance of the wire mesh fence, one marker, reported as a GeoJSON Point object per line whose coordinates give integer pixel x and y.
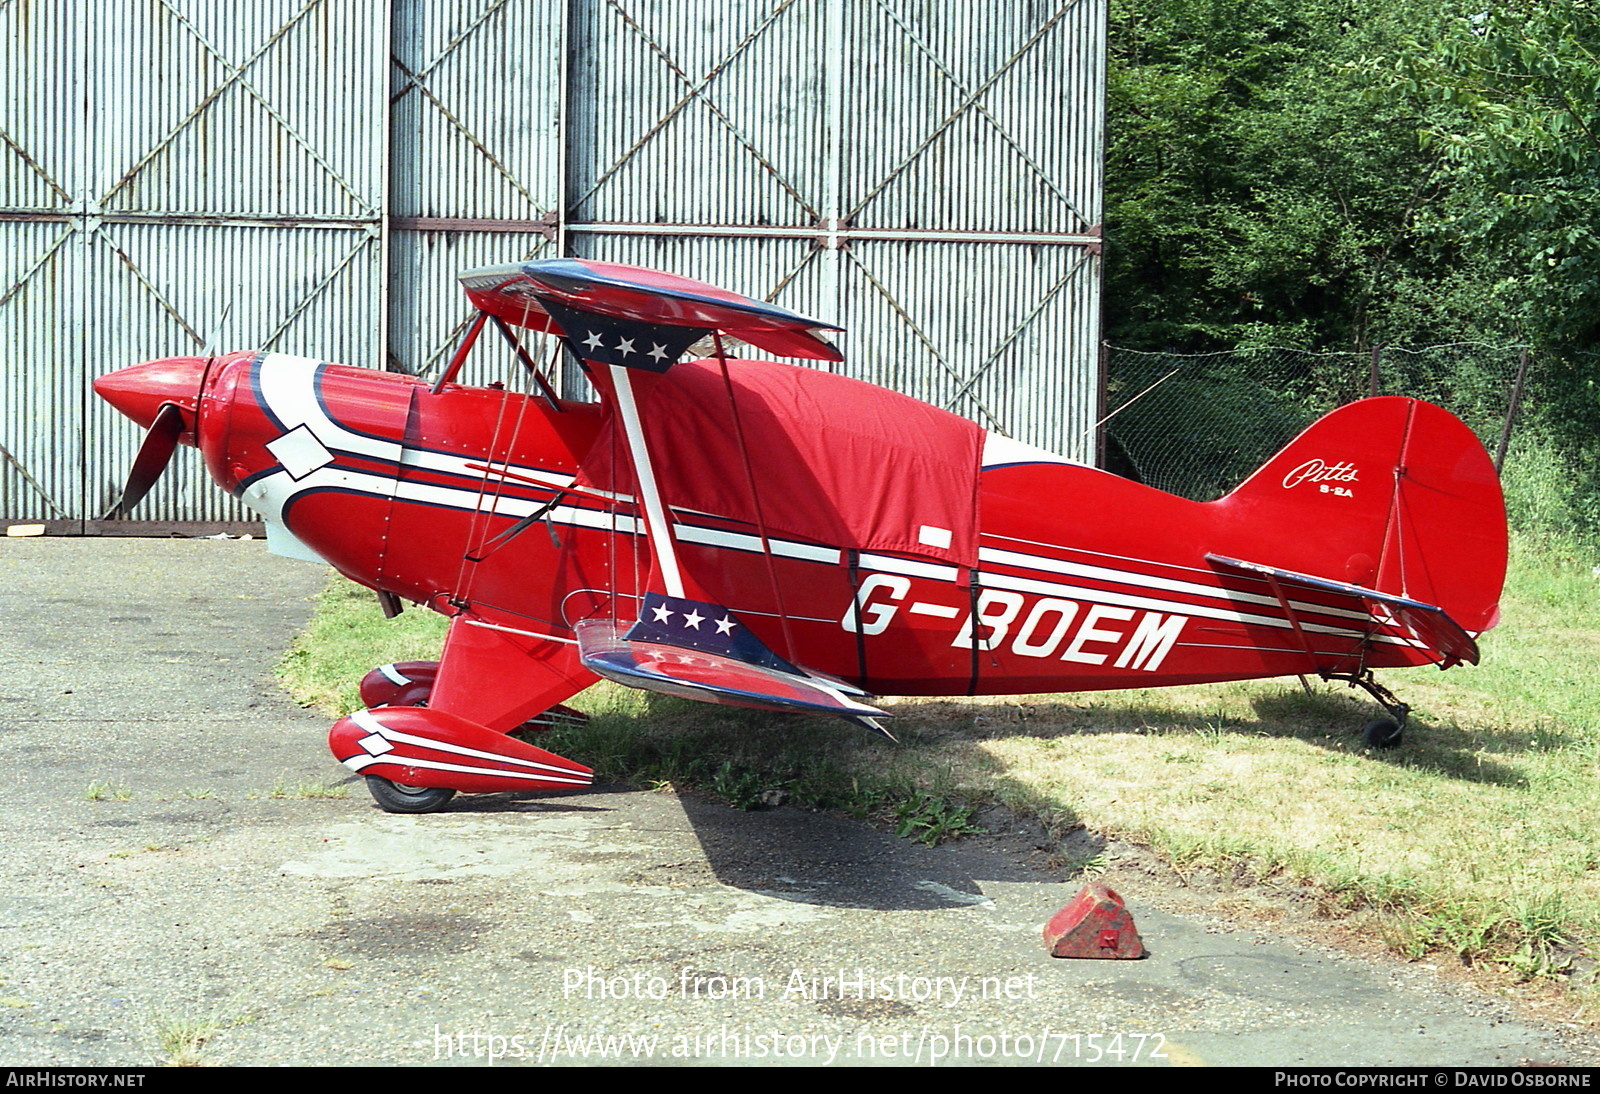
{"type": "Point", "coordinates": [1198, 425]}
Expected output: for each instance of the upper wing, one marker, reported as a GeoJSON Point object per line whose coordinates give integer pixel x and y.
{"type": "Point", "coordinates": [627, 300]}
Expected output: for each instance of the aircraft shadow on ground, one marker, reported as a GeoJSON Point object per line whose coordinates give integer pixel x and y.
{"type": "Point", "coordinates": [803, 857]}
{"type": "Point", "coordinates": [820, 859]}
{"type": "Point", "coordinates": [800, 856]}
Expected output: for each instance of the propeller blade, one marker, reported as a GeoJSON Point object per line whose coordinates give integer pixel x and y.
{"type": "Point", "coordinates": [210, 349]}
{"type": "Point", "coordinates": [160, 441]}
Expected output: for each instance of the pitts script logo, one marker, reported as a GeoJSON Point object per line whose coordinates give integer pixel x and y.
{"type": "Point", "coordinates": [1322, 473]}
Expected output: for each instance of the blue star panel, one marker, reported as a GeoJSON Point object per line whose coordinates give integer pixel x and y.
{"type": "Point", "coordinates": [696, 624]}
{"type": "Point", "coordinates": [631, 344]}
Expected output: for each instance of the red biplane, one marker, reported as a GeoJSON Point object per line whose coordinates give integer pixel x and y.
{"type": "Point", "coordinates": [768, 535]}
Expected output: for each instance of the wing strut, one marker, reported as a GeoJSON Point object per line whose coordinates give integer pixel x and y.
{"type": "Point", "coordinates": [462, 350]}
{"type": "Point", "coordinates": [528, 363]}
{"type": "Point", "coordinates": [655, 514]}
{"type": "Point", "coordinates": [755, 497]}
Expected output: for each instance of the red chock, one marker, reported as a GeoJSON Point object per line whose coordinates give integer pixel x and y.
{"type": "Point", "coordinates": [1095, 924]}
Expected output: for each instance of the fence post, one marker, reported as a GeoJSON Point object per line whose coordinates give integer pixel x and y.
{"type": "Point", "coordinates": [1100, 407]}
{"type": "Point", "coordinates": [1372, 371]}
{"type": "Point", "coordinates": [1511, 410]}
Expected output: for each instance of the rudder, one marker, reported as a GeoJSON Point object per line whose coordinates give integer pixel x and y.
{"type": "Point", "coordinates": [1388, 493]}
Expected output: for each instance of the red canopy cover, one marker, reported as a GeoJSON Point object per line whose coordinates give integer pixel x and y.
{"type": "Point", "coordinates": [835, 461]}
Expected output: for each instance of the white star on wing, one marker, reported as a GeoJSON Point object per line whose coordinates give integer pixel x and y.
{"type": "Point", "coordinates": [725, 625]}
{"type": "Point", "coordinates": [693, 619]}
{"type": "Point", "coordinates": [625, 346]}
{"type": "Point", "coordinates": [593, 341]}
{"type": "Point", "coordinates": [658, 351]}
{"type": "Point", "coordinates": [662, 614]}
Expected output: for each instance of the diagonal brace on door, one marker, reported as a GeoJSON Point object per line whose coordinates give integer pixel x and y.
{"type": "Point", "coordinates": [33, 165]}
{"type": "Point", "coordinates": [1027, 321]}
{"type": "Point", "coordinates": [962, 89]}
{"type": "Point", "coordinates": [16, 286]}
{"type": "Point", "coordinates": [967, 102]}
{"type": "Point", "coordinates": [5, 453]}
{"type": "Point", "coordinates": [166, 305]}
{"type": "Point", "coordinates": [927, 342]}
{"type": "Point", "coordinates": [414, 79]}
{"type": "Point", "coordinates": [236, 74]}
{"type": "Point", "coordinates": [362, 241]}
{"type": "Point", "coordinates": [460, 127]}
{"type": "Point", "coordinates": [697, 90]}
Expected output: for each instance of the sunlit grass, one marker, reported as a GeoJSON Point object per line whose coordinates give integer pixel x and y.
{"type": "Point", "coordinates": [346, 637]}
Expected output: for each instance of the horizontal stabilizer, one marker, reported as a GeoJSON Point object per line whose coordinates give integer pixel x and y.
{"type": "Point", "coordinates": [713, 677]}
{"type": "Point", "coordinates": [1427, 623]}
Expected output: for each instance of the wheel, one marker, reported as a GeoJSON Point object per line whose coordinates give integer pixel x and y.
{"type": "Point", "coordinates": [400, 798]}
{"type": "Point", "coordinates": [1381, 733]}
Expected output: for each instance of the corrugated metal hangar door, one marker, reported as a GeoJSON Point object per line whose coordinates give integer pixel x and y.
{"type": "Point", "coordinates": [164, 162]}
{"type": "Point", "coordinates": [926, 175]}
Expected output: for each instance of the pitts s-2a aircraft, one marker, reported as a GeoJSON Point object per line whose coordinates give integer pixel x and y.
{"type": "Point", "coordinates": [768, 535]}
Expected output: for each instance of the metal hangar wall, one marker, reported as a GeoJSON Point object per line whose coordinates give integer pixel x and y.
{"type": "Point", "coordinates": [308, 176]}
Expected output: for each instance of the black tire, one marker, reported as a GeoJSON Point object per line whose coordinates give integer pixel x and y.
{"type": "Point", "coordinates": [399, 798]}
{"type": "Point", "coordinates": [1382, 733]}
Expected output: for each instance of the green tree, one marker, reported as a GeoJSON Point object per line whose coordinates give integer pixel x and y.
{"type": "Point", "coordinates": [1520, 149]}
{"type": "Point", "coordinates": [1256, 193]}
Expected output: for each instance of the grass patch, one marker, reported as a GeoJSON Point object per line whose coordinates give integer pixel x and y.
{"type": "Point", "coordinates": [348, 636]}
{"type": "Point", "coordinates": [107, 792]}
{"type": "Point", "coordinates": [307, 788]}
{"type": "Point", "coordinates": [183, 1041]}
{"type": "Point", "coordinates": [1474, 839]}
{"type": "Point", "coordinates": [186, 1040]}
{"type": "Point", "coordinates": [931, 819]}
{"type": "Point", "coordinates": [750, 760]}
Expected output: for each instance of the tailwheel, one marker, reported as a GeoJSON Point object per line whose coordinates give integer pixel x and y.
{"type": "Point", "coordinates": [393, 797]}
{"type": "Point", "coordinates": [1382, 733]}
{"type": "Point", "coordinates": [1378, 733]}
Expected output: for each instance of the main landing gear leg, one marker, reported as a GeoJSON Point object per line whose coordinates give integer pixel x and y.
{"type": "Point", "coordinates": [1380, 733]}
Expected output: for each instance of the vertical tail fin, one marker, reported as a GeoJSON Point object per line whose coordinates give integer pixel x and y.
{"type": "Point", "coordinates": [1391, 494]}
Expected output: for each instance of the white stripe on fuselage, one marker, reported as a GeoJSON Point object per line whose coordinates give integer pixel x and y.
{"type": "Point", "coordinates": [469, 500]}
{"type": "Point", "coordinates": [1123, 577]}
{"type": "Point", "coordinates": [289, 387]}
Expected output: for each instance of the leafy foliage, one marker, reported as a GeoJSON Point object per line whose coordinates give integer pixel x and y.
{"type": "Point", "coordinates": [1332, 175]}
{"type": "Point", "coordinates": [1256, 194]}
{"type": "Point", "coordinates": [930, 819]}
{"type": "Point", "coordinates": [1520, 152]}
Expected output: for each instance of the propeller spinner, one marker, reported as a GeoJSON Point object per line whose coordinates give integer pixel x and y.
{"type": "Point", "coordinates": [164, 397]}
